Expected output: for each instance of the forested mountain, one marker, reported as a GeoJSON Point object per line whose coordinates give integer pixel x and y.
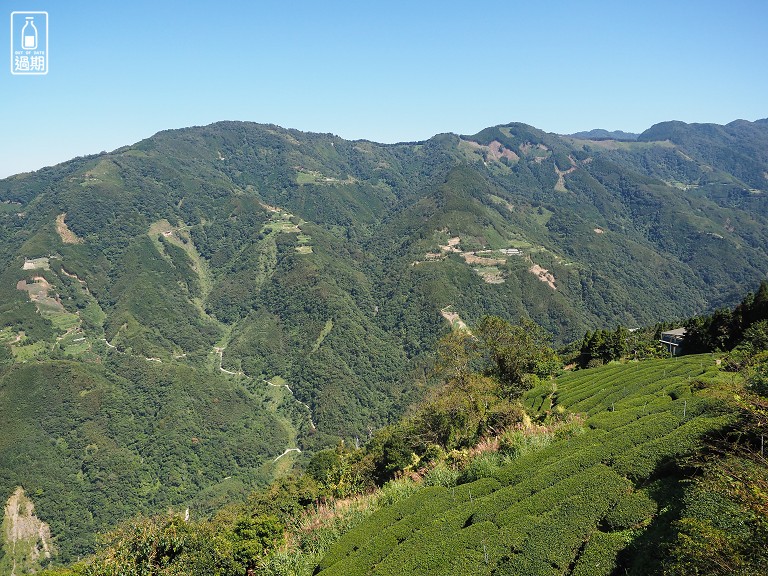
{"type": "Point", "coordinates": [602, 134]}
{"type": "Point", "coordinates": [176, 314]}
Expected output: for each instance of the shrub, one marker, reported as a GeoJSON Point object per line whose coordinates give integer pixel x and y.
{"type": "Point", "coordinates": [433, 454]}
{"type": "Point", "coordinates": [482, 466]}
{"type": "Point", "coordinates": [517, 443]}
{"type": "Point", "coordinates": [441, 475]}
{"type": "Point", "coordinates": [397, 490]}
{"type": "Point", "coordinates": [599, 556]}
{"type": "Point", "coordinates": [631, 511]}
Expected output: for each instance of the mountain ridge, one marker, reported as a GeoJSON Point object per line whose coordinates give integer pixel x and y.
{"type": "Point", "coordinates": [253, 257]}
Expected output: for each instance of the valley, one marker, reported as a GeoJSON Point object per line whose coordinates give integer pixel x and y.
{"type": "Point", "coordinates": [196, 316]}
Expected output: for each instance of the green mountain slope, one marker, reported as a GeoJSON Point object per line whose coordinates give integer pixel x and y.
{"type": "Point", "coordinates": [311, 277]}
{"type": "Point", "coordinates": [593, 503]}
{"type": "Point", "coordinates": [90, 447]}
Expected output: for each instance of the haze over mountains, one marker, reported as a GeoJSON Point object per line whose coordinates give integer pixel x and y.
{"type": "Point", "coordinates": [176, 314]}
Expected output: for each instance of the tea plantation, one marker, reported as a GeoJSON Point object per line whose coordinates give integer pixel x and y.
{"type": "Point", "coordinates": [590, 503]}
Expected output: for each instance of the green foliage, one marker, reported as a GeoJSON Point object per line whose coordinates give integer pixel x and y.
{"type": "Point", "coordinates": [631, 511]}
{"type": "Point", "coordinates": [722, 530]}
{"type": "Point", "coordinates": [107, 447]}
{"type": "Point", "coordinates": [647, 230]}
{"type": "Point", "coordinates": [604, 345]}
{"type": "Point", "coordinates": [163, 546]}
{"type": "Point", "coordinates": [600, 556]}
{"type": "Point", "coordinates": [475, 377]}
{"type": "Point", "coordinates": [252, 537]}
{"type": "Point", "coordinates": [516, 352]}
{"type": "Point", "coordinates": [725, 329]}
{"type": "Point", "coordinates": [442, 475]}
{"type": "Point", "coordinates": [483, 466]}
{"type": "Point", "coordinates": [564, 500]}
{"type": "Point", "coordinates": [590, 499]}
{"type": "Point", "coordinates": [756, 373]}
{"type": "Point", "coordinates": [322, 465]}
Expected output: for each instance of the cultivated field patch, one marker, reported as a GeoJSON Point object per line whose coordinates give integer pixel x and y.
{"type": "Point", "coordinates": [36, 264]}
{"type": "Point", "coordinates": [72, 340]}
{"type": "Point", "coordinates": [283, 222]}
{"type": "Point", "coordinates": [305, 176]}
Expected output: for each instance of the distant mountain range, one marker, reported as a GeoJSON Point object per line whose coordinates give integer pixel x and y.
{"type": "Point", "coordinates": [600, 134]}
{"type": "Point", "coordinates": [176, 314]}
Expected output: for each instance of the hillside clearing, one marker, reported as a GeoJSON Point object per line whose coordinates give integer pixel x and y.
{"type": "Point", "coordinates": [543, 275]}
{"type": "Point", "coordinates": [66, 235]}
{"type": "Point", "coordinates": [453, 318]}
{"type": "Point", "coordinates": [36, 264]}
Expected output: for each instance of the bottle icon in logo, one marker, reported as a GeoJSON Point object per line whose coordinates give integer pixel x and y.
{"type": "Point", "coordinates": [29, 34]}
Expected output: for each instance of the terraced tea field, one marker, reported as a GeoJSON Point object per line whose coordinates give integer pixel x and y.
{"type": "Point", "coordinates": [580, 506]}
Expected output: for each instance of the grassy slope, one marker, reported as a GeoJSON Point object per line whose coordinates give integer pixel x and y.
{"type": "Point", "coordinates": [583, 505]}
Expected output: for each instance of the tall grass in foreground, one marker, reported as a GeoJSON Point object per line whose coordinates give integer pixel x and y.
{"type": "Point", "coordinates": [317, 529]}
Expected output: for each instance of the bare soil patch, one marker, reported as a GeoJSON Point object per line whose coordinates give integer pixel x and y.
{"type": "Point", "coordinates": [495, 150]}
{"type": "Point", "coordinates": [66, 235]}
{"type": "Point", "coordinates": [560, 186]}
{"type": "Point", "coordinates": [544, 275]}
{"type": "Point", "coordinates": [527, 148]}
{"type": "Point", "coordinates": [498, 151]}
{"type": "Point", "coordinates": [268, 207]}
{"type": "Point", "coordinates": [453, 319]}
{"type": "Point", "coordinates": [452, 245]}
{"type": "Point", "coordinates": [22, 527]}
{"type": "Point", "coordinates": [38, 292]}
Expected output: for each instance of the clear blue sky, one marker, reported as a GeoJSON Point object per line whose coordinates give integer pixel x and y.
{"type": "Point", "coordinates": [386, 71]}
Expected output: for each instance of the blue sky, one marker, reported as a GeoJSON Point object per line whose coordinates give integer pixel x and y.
{"type": "Point", "coordinates": [386, 71]}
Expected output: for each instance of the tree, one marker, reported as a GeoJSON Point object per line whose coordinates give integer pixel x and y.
{"type": "Point", "coordinates": [512, 352]}
{"type": "Point", "coordinates": [252, 537]}
{"type": "Point", "coordinates": [756, 337]}
{"type": "Point", "coordinates": [160, 546]}
{"type": "Point", "coordinates": [619, 343]}
{"type": "Point", "coordinates": [760, 305]}
{"type": "Point", "coordinates": [456, 354]}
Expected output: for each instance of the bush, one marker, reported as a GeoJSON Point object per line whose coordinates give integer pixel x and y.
{"type": "Point", "coordinates": [322, 464]}
{"type": "Point", "coordinates": [631, 511]}
{"type": "Point", "coordinates": [433, 454]}
{"type": "Point", "coordinates": [441, 475]}
{"type": "Point", "coordinates": [482, 466]}
{"type": "Point", "coordinates": [517, 443]}
{"type": "Point", "coordinates": [599, 556]}
{"type": "Point", "coordinates": [396, 490]}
